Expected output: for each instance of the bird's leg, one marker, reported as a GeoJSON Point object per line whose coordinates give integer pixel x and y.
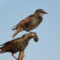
{"type": "Point", "coordinates": [17, 31]}
{"type": "Point", "coordinates": [21, 55]}
{"type": "Point", "coordinates": [14, 56]}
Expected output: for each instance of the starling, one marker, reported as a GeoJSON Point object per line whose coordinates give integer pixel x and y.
{"type": "Point", "coordinates": [30, 22]}
{"type": "Point", "coordinates": [18, 44]}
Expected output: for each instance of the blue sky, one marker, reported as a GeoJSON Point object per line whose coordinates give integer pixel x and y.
{"type": "Point", "coordinates": [13, 11]}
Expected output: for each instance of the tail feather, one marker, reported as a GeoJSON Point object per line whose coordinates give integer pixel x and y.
{"type": "Point", "coordinates": [1, 46]}
{"type": "Point", "coordinates": [15, 27]}
{"type": "Point", "coordinates": [1, 49]}
{"type": "Point", "coordinates": [17, 31]}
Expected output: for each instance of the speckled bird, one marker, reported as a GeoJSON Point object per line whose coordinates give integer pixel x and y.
{"type": "Point", "coordinates": [18, 44]}
{"type": "Point", "coordinates": [30, 22]}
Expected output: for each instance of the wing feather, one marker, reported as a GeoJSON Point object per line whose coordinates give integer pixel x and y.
{"type": "Point", "coordinates": [24, 22]}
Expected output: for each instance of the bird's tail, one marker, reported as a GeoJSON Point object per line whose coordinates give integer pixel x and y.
{"type": "Point", "coordinates": [17, 31]}
{"type": "Point", "coordinates": [1, 48]}
{"type": "Point", "coordinates": [15, 27]}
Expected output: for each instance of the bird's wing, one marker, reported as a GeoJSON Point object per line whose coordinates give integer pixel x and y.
{"type": "Point", "coordinates": [24, 22]}
{"type": "Point", "coordinates": [7, 43]}
{"type": "Point", "coordinates": [12, 42]}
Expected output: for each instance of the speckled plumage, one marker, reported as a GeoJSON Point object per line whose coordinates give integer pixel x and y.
{"type": "Point", "coordinates": [29, 23]}
{"type": "Point", "coordinates": [18, 44]}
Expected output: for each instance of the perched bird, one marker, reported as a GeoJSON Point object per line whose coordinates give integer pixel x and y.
{"type": "Point", "coordinates": [30, 22]}
{"type": "Point", "coordinates": [18, 44]}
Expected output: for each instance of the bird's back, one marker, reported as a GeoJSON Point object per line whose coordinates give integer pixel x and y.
{"type": "Point", "coordinates": [14, 46]}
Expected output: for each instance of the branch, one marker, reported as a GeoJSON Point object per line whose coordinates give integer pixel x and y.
{"type": "Point", "coordinates": [21, 55]}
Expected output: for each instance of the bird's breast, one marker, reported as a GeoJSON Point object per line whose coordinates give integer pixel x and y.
{"type": "Point", "coordinates": [36, 21]}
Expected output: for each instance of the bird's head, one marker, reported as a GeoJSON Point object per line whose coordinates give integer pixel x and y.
{"type": "Point", "coordinates": [30, 35]}
{"type": "Point", "coordinates": [34, 35]}
{"type": "Point", "coordinates": [40, 12]}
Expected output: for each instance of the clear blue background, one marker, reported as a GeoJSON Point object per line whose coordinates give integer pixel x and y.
{"type": "Point", "coordinates": [13, 11]}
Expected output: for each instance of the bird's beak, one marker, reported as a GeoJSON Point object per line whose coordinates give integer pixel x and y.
{"type": "Point", "coordinates": [45, 12]}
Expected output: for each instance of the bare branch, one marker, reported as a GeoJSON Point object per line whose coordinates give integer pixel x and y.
{"type": "Point", "coordinates": [21, 55]}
